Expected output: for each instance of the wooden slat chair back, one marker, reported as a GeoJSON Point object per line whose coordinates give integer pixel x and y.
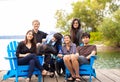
{"type": "Point", "coordinates": [19, 70]}
{"type": "Point", "coordinates": [85, 70]}
{"type": "Point", "coordinates": [11, 50]}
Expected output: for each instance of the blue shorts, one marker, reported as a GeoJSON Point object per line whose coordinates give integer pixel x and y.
{"type": "Point", "coordinates": [82, 60]}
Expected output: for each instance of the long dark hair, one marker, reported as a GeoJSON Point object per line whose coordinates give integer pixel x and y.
{"type": "Point", "coordinates": [58, 37]}
{"type": "Point", "coordinates": [33, 41]}
{"type": "Point", "coordinates": [74, 31]}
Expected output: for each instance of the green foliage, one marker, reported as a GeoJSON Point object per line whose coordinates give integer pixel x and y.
{"type": "Point", "coordinates": [62, 20]}
{"type": "Point", "coordinates": [110, 29]}
{"type": "Point", "coordinates": [95, 36]}
{"type": "Point", "coordinates": [90, 12]}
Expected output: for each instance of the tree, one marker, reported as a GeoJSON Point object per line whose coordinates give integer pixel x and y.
{"type": "Point", "coordinates": [62, 21]}
{"type": "Point", "coordinates": [90, 12]}
{"type": "Point", "coordinates": [110, 29]}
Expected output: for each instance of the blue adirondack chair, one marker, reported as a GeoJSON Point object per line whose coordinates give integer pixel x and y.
{"type": "Point", "coordinates": [16, 70]}
{"type": "Point", "coordinates": [85, 70]}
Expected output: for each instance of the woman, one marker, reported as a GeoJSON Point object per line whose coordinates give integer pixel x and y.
{"type": "Point", "coordinates": [76, 32]}
{"type": "Point", "coordinates": [26, 53]}
{"type": "Point", "coordinates": [51, 46]}
{"type": "Point", "coordinates": [67, 48]}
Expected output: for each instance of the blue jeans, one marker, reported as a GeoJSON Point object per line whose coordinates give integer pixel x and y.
{"type": "Point", "coordinates": [32, 61]}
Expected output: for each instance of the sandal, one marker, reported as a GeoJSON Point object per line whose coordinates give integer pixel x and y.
{"type": "Point", "coordinates": [52, 74]}
{"type": "Point", "coordinates": [27, 80]}
{"type": "Point", "coordinates": [77, 79]}
{"type": "Point", "coordinates": [71, 79]}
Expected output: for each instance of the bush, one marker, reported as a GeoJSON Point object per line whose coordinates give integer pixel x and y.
{"type": "Point", "coordinates": [110, 29]}
{"type": "Point", "coordinates": [95, 36]}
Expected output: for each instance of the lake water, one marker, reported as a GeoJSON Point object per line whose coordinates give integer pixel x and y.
{"type": "Point", "coordinates": [109, 59]}
{"type": "Point", "coordinates": [4, 40]}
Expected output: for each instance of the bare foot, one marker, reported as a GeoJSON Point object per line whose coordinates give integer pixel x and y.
{"type": "Point", "coordinates": [44, 72]}
{"type": "Point", "coordinates": [27, 80]}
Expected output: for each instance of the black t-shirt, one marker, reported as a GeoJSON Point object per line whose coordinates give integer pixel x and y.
{"type": "Point", "coordinates": [39, 36]}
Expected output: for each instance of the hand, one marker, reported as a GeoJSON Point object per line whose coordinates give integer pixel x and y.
{"type": "Point", "coordinates": [43, 40]}
{"type": "Point", "coordinates": [23, 55]}
{"type": "Point", "coordinates": [27, 54]}
{"type": "Point", "coordinates": [60, 56]}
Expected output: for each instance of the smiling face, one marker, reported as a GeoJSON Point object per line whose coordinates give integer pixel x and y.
{"type": "Point", "coordinates": [67, 39]}
{"type": "Point", "coordinates": [75, 24]}
{"type": "Point", "coordinates": [29, 36]}
{"type": "Point", "coordinates": [53, 39]}
{"type": "Point", "coordinates": [36, 24]}
{"type": "Point", "coordinates": [85, 39]}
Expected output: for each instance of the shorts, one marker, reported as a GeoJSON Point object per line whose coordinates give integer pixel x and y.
{"type": "Point", "coordinates": [83, 60]}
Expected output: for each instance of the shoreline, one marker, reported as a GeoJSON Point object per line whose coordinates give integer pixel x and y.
{"type": "Point", "coordinates": [104, 48]}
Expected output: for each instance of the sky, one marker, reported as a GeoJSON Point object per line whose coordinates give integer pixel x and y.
{"type": "Point", "coordinates": [16, 16]}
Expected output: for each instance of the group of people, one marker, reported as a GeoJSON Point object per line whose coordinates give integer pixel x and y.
{"type": "Point", "coordinates": [69, 50]}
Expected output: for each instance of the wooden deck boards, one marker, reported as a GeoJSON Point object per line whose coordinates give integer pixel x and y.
{"type": "Point", "coordinates": [104, 75]}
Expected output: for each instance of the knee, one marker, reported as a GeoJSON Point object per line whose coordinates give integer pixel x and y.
{"type": "Point", "coordinates": [33, 56]}
{"type": "Point", "coordinates": [74, 58]}
{"type": "Point", "coordinates": [32, 62]}
{"type": "Point", "coordinates": [38, 44]}
{"type": "Point", "coordinates": [66, 58]}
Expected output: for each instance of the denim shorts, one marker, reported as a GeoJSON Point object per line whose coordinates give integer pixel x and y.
{"type": "Point", "coordinates": [82, 60]}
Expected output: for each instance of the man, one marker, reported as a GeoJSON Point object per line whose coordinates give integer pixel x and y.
{"type": "Point", "coordinates": [40, 35]}
{"type": "Point", "coordinates": [82, 56]}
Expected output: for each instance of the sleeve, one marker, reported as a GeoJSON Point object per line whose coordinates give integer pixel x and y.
{"type": "Point", "coordinates": [74, 49]}
{"type": "Point", "coordinates": [60, 52]}
{"type": "Point", "coordinates": [77, 49]}
{"type": "Point", "coordinates": [95, 48]}
{"type": "Point", "coordinates": [44, 35]}
{"type": "Point", "coordinates": [80, 35]}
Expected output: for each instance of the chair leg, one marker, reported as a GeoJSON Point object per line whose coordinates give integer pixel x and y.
{"type": "Point", "coordinates": [16, 76]}
{"type": "Point", "coordinates": [39, 78]}
{"type": "Point", "coordinates": [90, 80]}
{"type": "Point", "coordinates": [55, 70]}
{"type": "Point", "coordinates": [98, 79]}
{"type": "Point", "coordinates": [43, 79]}
{"type": "Point", "coordinates": [56, 77]}
{"type": "Point", "coordinates": [16, 80]}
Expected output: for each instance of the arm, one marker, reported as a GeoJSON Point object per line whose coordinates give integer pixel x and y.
{"type": "Point", "coordinates": [74, 49]}
{"type": "Point", "coordinates": [60, 54]}
{"type": "Point", "coordinates": [43, 40]}
{"type": "Point", "coordinates": [77, 54]}
{"type": "Point", "coordinates": [18, 49]}
{"type": "Point", "coordinates": [94, 51]}
{"type": "Point", "coordinates": [23, 55]}
{"type": "Point", "coordinates": [92, 54]}
{"type": "Point", "coordinates": [77, 51]}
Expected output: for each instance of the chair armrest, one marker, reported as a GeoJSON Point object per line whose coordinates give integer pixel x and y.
{"type": "Point", "coordinates": [92, 59]}
{"type": "Point", "coordinates": [10, 57]}
{"type": "Point", "coordinates": [41, 59]}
